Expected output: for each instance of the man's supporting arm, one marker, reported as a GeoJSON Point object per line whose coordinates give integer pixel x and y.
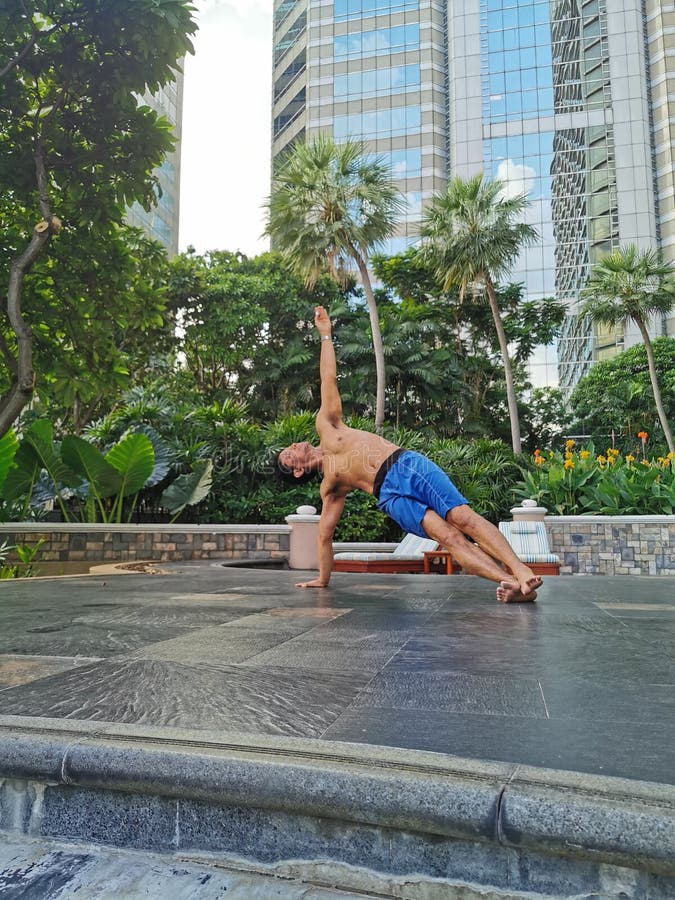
{"type": "Point", "coordinates": [331, 405]}
{"type": "Point", "coordinates": [331, 511]}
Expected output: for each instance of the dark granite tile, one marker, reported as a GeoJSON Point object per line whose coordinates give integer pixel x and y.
{"type": "Point", "coordinates": [179, 616]}
{"type": "Point", "coordinates": [609, 701]}
{"type": "Point", "coordinates": [218, 646]}
{"type": "Point", "coordinates": [626, 750]}
{"type": "Point", "coordinates": [495, 696]}
{"type": "Point", "coordinates": [367, 654]}
{"type": "Point", "coordinates": [15, 670]}
{"type": "Point", "coordinates": [472, 656]}
{"type": "Point", "coordinates": [622, 658]}
{"type": "Point", "coordinates": [84, 640]}
{"type": "Point", "coordinates": [270, 700]}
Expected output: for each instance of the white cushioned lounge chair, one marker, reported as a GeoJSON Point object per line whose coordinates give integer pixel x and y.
{"type": "Point", "coordinates": [407, 557]}
{"type": "Point", "coordinates": [530, 544]}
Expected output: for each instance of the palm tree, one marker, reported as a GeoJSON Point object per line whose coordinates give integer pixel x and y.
{"type": "Point", "coordinates": [473, 236]}
{"type": "Point", "coordinates": [331, 204]}
{"type": "Point", "coordinates": [628, 284]}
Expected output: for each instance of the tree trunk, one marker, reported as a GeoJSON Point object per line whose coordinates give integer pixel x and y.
{"type": "Point", "coordinates": [377, 340]}
{"type": "Point", "coordinates": [23, 379]}
{"type": "Point", "coordinates": [655, 385]}
{"type": "Point", "coordinates": [23, 375]}
{"type": "Point", "coordinates": [508, 373]}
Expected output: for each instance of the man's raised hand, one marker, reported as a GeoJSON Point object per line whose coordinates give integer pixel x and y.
{"type": "Point", "coordinates": [322, 321]}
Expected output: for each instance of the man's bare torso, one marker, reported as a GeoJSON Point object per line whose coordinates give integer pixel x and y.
{"type": "Point", "coordinates": [351, 458]}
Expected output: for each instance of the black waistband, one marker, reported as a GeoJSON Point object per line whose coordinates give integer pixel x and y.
{"type": "Point", "coordinates": [384, 468]}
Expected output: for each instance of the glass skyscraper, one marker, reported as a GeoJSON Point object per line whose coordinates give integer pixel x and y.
{"type": "Point", "coordinates": [569, 101]}
{"type": "Point", "coordinates": [161, 223]}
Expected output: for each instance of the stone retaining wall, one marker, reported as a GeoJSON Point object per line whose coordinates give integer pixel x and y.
{"type": "Point", "coordinates": [590, 545]}
{"type": "Point", "coordinates": [613, 545]}
{"type": "Point", "coordinates": [72, 542]}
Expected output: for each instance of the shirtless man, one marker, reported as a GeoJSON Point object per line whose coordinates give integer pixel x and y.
{"type": "Point", "coordinates": [411, 489]}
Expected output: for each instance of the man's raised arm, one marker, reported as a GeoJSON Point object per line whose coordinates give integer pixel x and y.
{"type": "Point", "coordinates": [331, 405]}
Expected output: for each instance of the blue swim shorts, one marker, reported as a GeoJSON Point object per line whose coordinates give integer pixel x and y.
{"type": "Point", "coordinates": [411, 485]}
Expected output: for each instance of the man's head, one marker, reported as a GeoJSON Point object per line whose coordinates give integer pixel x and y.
{"type": "Point", "coordinates": [297, 463]}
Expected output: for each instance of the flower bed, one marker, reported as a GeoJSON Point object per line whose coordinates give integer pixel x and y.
{"type": "Point", "coordinates": [588, 482]}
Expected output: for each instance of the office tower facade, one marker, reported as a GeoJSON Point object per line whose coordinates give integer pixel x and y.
{"type": "Point", "coordinates": [161, 222]}
{"type": "Point", "coordinates": [565, 100]}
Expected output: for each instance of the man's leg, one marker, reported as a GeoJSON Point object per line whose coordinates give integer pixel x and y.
{"type": "Point", "coordinates": [481, 560]}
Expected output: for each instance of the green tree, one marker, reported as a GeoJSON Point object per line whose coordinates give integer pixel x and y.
{"type": "Point", "coordinates": [98, 321]}
{"type": "Point", "coordinates": [616, 395]}
{"type": "Point", "coordinates": [330, 205]}
{"type": "Point", "coordinates": [243, 334]}
{"type": "Point", "coordinates": [77, 147]}
{"type": "Point", "coordinates": [632, 285]}
{"type": "Point", "coordinates": [473, 236]}
{"type": "Point", "coordinates": [472, 387]}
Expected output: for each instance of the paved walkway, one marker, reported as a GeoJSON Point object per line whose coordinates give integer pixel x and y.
{"type": "Point", "coordinates": [584, 680]}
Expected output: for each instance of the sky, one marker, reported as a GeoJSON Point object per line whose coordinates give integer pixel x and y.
{"type": "Point", "coordinates": [225, 161]}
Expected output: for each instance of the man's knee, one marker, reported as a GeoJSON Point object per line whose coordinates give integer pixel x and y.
{"type": "Point", "coordinates": [462, 516]}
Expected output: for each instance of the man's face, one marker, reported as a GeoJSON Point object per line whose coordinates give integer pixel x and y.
{"type": "Point", "coordinates": [296, 457]}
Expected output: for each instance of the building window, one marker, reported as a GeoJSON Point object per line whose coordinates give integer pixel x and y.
{"type": "Point", "coordinates": [377, 42]}
{"type": "Point", "coordinates": [344, 10]}
{"type": "Point", "coordinates": [290, 38]}
{"type": "Point", "coordinates": [371, 82]}
{"type": "Point", "coordinates": [378, 124]}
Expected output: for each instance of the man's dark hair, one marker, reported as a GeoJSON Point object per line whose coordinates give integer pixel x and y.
{"type": "Point", "coordinates": [283, 473]}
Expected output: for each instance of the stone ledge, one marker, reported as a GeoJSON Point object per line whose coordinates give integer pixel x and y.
{"type": "Point", "coordinates": [97, 527]}
{"type": "Point", "coordinates": [560, 814]}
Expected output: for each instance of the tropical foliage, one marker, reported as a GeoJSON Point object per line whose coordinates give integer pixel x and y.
{"type": "Point", "coordinates": [616, 399]}
{"type": "Point", "coordinates": [473, 235]}
{"type": "Point", "coordinates": [88, 485]}
{"type": "Point", "coordinates": [331, 206]}
{"type": "Point", "coordinates": [587, 482]}
{"type": "Point", "coordinates": [632, 285]}
{"type": "Point", "coordinates": [76, 149]}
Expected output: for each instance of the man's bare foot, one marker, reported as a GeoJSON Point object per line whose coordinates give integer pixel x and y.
{"type": "Point", "coordinates": [512, 592]}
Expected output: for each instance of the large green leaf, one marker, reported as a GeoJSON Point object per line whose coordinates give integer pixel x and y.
{"type": "Point", "coordinates": [40, 437]}
{"type": "Point", "coordinates": [162, 455]}
{"type": "Point", "coordinates": [22, 476]}
{"type": "Point", "coordinates": [187, 490]}
{"type": "Point", "coordinates": [85, 459]}
{"type": "Point", "coordinates": [134, 459]}
{"type": "Point", "coordinates": [8, 447]}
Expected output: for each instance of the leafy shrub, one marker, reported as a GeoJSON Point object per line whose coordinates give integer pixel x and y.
{"type": "Point", "coordinates": [584, 482]}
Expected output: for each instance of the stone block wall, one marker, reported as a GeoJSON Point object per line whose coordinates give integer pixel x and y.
{"type": "Point", "coordinates": [162, 543]}
{"type": "Point", "coordinates": [613, 545]}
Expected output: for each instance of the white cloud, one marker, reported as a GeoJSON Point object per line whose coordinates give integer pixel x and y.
{"type": "Point", "coordinates": [517, 179]}
{"type": "Point", "coordinates": [225, 167]}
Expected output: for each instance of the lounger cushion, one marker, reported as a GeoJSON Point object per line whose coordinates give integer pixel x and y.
{"type": "Point", "coordinates": [529, 541]}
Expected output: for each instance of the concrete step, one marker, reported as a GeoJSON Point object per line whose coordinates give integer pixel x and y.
{"type": "Point", "coordinates": [360, 818]}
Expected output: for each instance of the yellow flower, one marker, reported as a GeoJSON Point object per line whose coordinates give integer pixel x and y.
{"type": "Point", "coordinates": [539, 460]}
{"type": "Point", "coordinates": [612, 452]}
{"type": "Point", "coordinates": [630, 458]}
{"type": "Point", "coordinates": [671, 455]}
{"type": "Point", "coordinates": [601, 459]}
{"type": "Point", "coordinates": [584, 454]}
{"type": "Point", "coordinates": [645, 462]}
{"type": "Point", "coordinates": [568, 454]}
{"type": "Point", "coordinates": [569, 444]}
{"type": "Point", "coordinates": [662, 461]}
{"type": "Point", "coordinates": [551, 454]}
{"type": "Point", "coordinates": [569, 463]}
